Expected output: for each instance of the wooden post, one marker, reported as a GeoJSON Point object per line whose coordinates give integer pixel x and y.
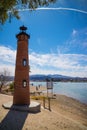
{"type": "Point", "coordinates": [44, 102]}
{"type": "Point", "coordinates": [52, 92]}
{"type": "Point", "coordinates": [47, 92]}
{"type": "Point", "coordinates": [49, 104]}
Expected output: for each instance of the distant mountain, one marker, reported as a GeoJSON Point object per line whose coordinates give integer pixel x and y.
{"type": "Point", "coordinates": [44, 77]}
{"type": "Point", "coordinates": [38, 77]}
{"type": "Point", "coordinates": [56, 77]}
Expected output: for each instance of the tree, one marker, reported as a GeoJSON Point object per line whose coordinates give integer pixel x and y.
{"type": "Point", "coordinates": [4, 77]}
{"type": "Point", "coordinates": [9, 8]}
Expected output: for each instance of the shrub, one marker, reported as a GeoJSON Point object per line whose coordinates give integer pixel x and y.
{"type": "Point", "coordinates": [12, 86]}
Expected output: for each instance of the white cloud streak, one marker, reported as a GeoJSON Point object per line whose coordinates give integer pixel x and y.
{"type": "Point", "coordinates": [55, 9]}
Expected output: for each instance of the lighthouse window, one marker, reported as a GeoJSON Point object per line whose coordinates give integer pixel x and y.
{"type": "Point", "coordinates": [24, 62]}
{"type": "Point", "coordinates": [24, 83]}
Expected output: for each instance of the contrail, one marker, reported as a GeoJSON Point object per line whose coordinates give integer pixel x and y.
{"type": "Point", "coordinates": [60, 8]}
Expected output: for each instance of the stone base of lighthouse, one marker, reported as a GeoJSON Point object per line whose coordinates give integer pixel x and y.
{"type": "Point", "coordinates": [34, 107]}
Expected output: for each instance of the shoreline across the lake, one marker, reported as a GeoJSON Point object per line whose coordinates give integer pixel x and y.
{"type": "Point", "coordinates": [66, 114]}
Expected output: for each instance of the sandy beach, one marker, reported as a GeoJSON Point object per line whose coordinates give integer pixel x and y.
{"type": "Point", "coordinates": [66, 114]}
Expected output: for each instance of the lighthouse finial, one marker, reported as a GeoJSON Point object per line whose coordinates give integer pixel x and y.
{"type": "Point", "coordinates": [23, 28]}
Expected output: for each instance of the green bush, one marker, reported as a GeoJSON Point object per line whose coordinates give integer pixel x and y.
{"type": "Point", "coordinates": [12, 86]}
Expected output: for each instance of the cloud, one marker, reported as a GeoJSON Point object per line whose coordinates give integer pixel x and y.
{"type": "Point", "coordinates": [68, 64]}
{"type": "Point", "coordinates": [76, 43]}
{"type": "Point", "coordinates": [59, 8]}
{"type": "Point", "coordinates": [7, 55]}
{"type": "Point", "coordinates": [7, 59]}
{"type": "Point", "coordinates": [39, 41]}
{"type": "Point", "coordinates": [10, 69]}
{"type": "Point", "coordinates": [50, 63]}
{"type": "Point", "coordinates": [74, 32]}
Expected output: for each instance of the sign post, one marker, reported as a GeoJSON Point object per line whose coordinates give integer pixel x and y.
{"type": "Point", "coordinates": [49, 85]}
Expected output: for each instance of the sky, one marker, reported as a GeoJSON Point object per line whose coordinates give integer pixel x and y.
{"type": "Point", "coordinates": [58, 39]}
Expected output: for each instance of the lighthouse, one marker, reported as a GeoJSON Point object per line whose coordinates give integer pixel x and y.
{"type": "Point", "coordinates": [21, 97]}
{"type": "Point", "coordinates": [21, 80]}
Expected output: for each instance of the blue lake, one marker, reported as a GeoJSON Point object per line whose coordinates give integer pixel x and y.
{"type": "Point", "coordinates": [74, 90]}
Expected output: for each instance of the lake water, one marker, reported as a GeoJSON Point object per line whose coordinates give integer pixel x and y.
{"type": "Point", "coordinates": [74, 90]}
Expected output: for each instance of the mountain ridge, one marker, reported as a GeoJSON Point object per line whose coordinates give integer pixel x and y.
{"type": "Point", "coordinates": [56, 77]}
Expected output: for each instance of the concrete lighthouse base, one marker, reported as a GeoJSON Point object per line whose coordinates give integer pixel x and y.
{"type": "Point", "coordinates": [34, 107]}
